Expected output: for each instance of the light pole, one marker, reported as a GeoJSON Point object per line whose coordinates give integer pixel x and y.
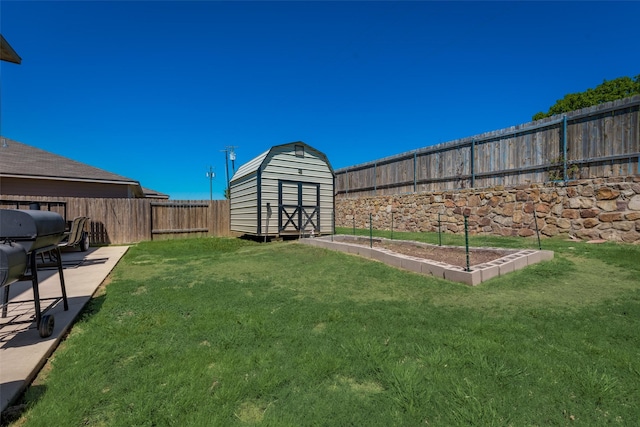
{"type": "Point", "coordinates": [211, 174]}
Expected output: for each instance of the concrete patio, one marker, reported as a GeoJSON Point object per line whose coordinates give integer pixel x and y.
{"type": "Point", "coordinates": [22, 351]}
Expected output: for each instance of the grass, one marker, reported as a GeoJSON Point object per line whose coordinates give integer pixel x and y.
{"type": "Point", "coordinates": [229, 332]}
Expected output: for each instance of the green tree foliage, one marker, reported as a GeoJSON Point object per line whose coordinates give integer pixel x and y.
{"type": "Point", "coordinates": [611, 90]}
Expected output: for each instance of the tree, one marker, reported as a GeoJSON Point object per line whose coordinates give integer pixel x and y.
{"type": "Point", "coordinates": [622, 87]}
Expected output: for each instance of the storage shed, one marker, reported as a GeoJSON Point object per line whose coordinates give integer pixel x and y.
{"type": "Point", "coordinates": [287, 190]}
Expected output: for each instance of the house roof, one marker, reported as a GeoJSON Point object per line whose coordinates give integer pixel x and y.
{"type": "Point", "coordinates": [153, 194]}
{"type": "Point", "coordinates": [18, 160]}
{"type": "Point", "coordinates": [7, 53]}
{"type": "Point", "coordinates": [255, 163]}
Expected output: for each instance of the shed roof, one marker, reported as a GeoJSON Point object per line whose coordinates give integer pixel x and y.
{"type": "Point", "coordinates": [251, 166]}
{"type": "Point", "coordinates": [18, 160]}
{"type": "Point", "coordinates": [255, 163]}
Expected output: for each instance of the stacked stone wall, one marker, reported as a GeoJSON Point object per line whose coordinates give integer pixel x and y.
{"type": "Point", "coordinates": [602, 208]}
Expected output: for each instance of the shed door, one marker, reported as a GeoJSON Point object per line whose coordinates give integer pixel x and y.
{"type": "Point", "coordinates": [298, 206]}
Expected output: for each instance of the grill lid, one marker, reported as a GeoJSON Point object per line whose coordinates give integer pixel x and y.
{"type": "Point", "coordinates": [31, 229]}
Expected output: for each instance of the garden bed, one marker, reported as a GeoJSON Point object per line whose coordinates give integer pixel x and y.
{"type": "Point", "coordinates": [446, 262]}
{"type": "Point", "coordinates": [454, 255]}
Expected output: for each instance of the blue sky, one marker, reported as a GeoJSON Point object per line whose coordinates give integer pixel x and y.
{"type": "Point", "coordinates": [155, 90]}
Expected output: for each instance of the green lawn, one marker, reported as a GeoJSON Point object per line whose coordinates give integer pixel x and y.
{"type": "Point", "coordinates": [227, 332]}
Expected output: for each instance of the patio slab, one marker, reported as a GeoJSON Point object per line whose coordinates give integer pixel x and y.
{"type": "Point", "coordinates": [22, 351]}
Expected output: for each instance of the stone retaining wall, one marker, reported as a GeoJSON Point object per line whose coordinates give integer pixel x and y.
{"type": "Point", "coordinates": [602, 208]}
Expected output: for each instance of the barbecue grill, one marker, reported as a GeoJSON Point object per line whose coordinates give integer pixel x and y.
{"type": "Point", "coordinates": [23, 236]}
{"type": "Point", "coordinates": [13, 263]}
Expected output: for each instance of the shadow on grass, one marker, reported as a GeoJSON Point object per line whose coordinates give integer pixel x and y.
{"type": "Point", "coordinates": [37, 390]}
{"type": "Point", "coordinates": [13, 413]}
{"type": "Point", "coordinates": [91, 308]}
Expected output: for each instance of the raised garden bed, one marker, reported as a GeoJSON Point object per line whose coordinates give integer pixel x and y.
{"type": "Point", "coordinates": [445, 262]}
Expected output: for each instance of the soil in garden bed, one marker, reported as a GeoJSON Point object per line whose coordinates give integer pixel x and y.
{"type": "Point", "coordinates": [450, 255]}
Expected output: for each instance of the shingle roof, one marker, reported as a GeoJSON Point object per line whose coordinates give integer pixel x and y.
{"type": "Point", "coordinates": [7, 53]}
{"type": "Point", "coordinates": [153, 194]}
{"type": "Point", "coordinates": [24, 161]}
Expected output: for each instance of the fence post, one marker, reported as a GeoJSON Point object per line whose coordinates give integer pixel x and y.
{"type": "Point", "coordinates": [415, 172]}
{"type": "Point", "coordinates": [210, 223]}
{"type": "Point", "coordinates": [346, 181]}
{"type": "Point", "coordinates": [150, 221]}
{"type": "Point", "coordinates": [473, 165]}
{"type": "Point", "coordinates": [375, 178]}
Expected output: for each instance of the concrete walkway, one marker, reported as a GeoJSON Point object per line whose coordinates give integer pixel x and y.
{"type": "Point", "coordinates": [22, 351]}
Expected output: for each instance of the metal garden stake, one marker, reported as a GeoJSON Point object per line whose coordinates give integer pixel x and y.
{"type": "Point", "coordinates": [466, 240]}
{"type": "Point", "coordinates": [535, 220]}
{"type": "Point", "coordinates": [370, 231]}
{"type": "Point", "coordinates": [391, 225]}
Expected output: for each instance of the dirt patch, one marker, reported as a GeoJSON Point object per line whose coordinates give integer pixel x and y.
{"type": "Point", "coordinates": [447, 254]}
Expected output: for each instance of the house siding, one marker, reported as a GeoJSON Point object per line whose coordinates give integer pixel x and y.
{"type": "Point", "coordinates": [58, 188]}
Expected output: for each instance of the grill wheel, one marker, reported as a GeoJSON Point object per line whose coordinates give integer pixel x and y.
{"type": "Point", "coordinates": [45, 328]}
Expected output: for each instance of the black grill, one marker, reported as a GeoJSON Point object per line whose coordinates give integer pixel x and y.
{"type": "Point", "coordinates": [31, 229]}
{"type": "Point", "coordinates": [13, 263]}
{"type": "Point", "coordinates": [24, 235]}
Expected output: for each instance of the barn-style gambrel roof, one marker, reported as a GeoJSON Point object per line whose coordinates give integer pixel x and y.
{"type": "Point", "coordinates": [255, 163]}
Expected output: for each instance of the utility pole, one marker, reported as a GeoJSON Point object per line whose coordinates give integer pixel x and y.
{"type": "Point", "coordinates": [232, 156]}
{"type": "Point", "coordinates": [211, 174]}
{"type": "Point", "coordinates": [229, 152]}
{"type": "Point", "coordinates": [226, 169]}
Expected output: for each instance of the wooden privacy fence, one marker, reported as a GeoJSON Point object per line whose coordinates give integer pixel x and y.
{"type": "Point", "coordinates": [179, 218]}
{"type": "Point", "coordinates": [119, 221]}
{"type": "Point", "coordinates": [596, 142]}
